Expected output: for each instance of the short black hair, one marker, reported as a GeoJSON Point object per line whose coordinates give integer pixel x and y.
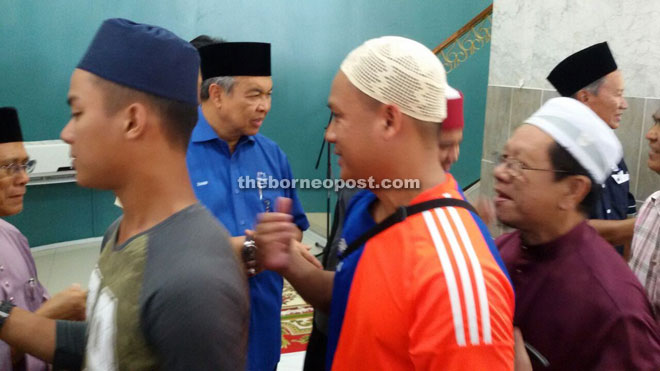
{"type": "Point", "coordinates": [656, 117]}
{"type": "Point", "coordinates": [178, 118]}
{"type": "Point", "coordinates": [204, 40]}
{"type": "Point", "coordinates": [561, 159]}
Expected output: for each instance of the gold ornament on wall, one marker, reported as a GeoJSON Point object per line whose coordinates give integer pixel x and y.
{"type": "Point", "coordinates": [466, 41]}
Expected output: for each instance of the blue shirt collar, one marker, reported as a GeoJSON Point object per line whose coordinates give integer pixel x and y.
{"type": "Point", "coordinates": [203, 131]}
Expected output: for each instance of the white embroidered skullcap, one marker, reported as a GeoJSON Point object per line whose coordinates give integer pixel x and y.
{"type": "Point", "coordinates": [451, 93]}
{"type": "Point", "coordinates": [585, 136]}
{"type": "Point", "coordinates": [396, 70]}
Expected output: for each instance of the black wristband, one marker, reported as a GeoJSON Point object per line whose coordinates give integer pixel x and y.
{"type": "Point", "coordinates": [5, 309]}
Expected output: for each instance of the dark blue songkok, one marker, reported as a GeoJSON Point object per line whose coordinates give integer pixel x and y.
{"type": "Point", "coordinates": [143, 57]}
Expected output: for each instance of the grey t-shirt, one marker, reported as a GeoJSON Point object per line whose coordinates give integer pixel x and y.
{"type": "Point", "coordinates": [171, 298]}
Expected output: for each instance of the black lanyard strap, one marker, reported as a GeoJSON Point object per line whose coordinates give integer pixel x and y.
{"type": "Point", "coordinates": [400, 215]}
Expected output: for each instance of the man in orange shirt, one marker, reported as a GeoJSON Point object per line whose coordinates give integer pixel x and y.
{"type": "Point", "coordinates": [430, 291]}
{"type": "Point", "coordinates": [450, 137]}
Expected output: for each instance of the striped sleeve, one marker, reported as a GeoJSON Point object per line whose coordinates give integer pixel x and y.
{"type": "Point", "coordinates": [464, 303]}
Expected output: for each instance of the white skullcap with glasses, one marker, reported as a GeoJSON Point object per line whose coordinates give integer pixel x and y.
{"type": "Point", "coordinates": [397, 70]}
{"type": "Point", "coordinates": [582, 133]}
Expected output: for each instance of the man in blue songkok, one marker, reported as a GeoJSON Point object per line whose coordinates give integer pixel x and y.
{"type": "Point", "coordinates": [167, 291]}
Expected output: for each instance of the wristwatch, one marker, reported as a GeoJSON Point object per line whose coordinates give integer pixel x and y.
{"type": "Point", "coordinates": [249, 254]}
{"type": "Point", "coordinates": [5, 309]}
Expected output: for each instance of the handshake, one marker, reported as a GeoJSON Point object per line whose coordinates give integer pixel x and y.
{"type": "Point", "coordinates": [274, 244]}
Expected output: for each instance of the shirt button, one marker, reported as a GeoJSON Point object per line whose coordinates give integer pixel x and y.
{"type": "Point", "coordinates": [2, 268]}
{"type": "Point", "coordinates": [519, 271]}
{"type": "Point", "coordinates": [11, 298]}
{"type": "Point", "coordinates": [609, 211]}
{"type": "Point", "coordinates": [603, 185]}
{"type": "Point", "coordinates": [524, 247]}
{"type": "Point", "coordinates": [6, 283]}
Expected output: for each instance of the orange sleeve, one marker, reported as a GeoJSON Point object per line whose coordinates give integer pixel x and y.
{"type": "Point", "coordinates": [461, 316]}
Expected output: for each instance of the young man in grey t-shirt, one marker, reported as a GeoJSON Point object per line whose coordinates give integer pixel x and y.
{"type": "Point", "coordinates": [167, 292]}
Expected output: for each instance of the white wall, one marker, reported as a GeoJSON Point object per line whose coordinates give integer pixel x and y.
{"type": "Point", "coordinates": [531, 36]}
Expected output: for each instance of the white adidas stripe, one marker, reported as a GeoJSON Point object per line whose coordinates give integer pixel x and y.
{"type": "Point", "coordinates": [473, 326]}
{"type": "Point", "coordinates": [482, 293]}
{"type": "Point", "coordinates": [454, 298]}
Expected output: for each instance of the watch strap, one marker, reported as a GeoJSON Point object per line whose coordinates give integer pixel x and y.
{"type": "Point", "coordinates": [5, 309]}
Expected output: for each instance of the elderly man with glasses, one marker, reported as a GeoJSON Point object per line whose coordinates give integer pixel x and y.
{"type": "Point", "coordinates": [578, 305]}
{"type": "Point", "coordinates": [18, 273]}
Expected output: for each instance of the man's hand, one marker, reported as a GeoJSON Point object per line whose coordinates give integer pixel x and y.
{"type": "Point", "coordinates": [616, 232]}
{"type": "Point", "coordinates": [251, 263]}
{"type": "Point", "coordinates": [486, 210]}
{"type": "Point", "coordinates": [305, 252]}
{"type": "Point", "coordinates": [521, 358]}
{"type": "Point", "coordinates": [274, 235]}
{"type": "Point", "coordinates": [68, 304]}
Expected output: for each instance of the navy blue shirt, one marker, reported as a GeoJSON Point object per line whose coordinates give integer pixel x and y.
{"type": "Point", "coordinates": [616, 201]}
{"type": "Point", "coordinates": [358, 221]}
{"type": "Point", "coordinates": [215, 174]}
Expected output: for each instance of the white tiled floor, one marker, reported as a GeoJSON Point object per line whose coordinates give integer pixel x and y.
{"type": "Point", "coordinates": [291, 362]}
{"type": "Point", "coordinates": [60, 265]}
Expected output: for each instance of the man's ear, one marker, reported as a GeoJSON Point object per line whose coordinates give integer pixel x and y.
{"type": "Point", "coordinates": [582, 95]}
{"type": "Point", "coordinates": [393, 119]}
{"type": "Point", "coordinates": [135, 120]}
{"type": "Point", "coordinates": [577, 187]}
{"type": "Point", "coordinates": [216, 94]}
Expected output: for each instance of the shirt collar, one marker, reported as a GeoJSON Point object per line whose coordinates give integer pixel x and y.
{"type": "Point", "coordinates": [655, 199]}
{"type": "Point", "coordinates": [560, 246]}
{"type": "Point", "coordinates": [655, 196]}
{"type": "Point", "coordinates": [203, 131]}
{"type": "Point", "coordinates": [434, 192]}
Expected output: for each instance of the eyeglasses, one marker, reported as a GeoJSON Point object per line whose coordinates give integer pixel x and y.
{"type": "Point", "coordinates": [15, 168]}
{"type": "Point", "coordinates": [515, 167]}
